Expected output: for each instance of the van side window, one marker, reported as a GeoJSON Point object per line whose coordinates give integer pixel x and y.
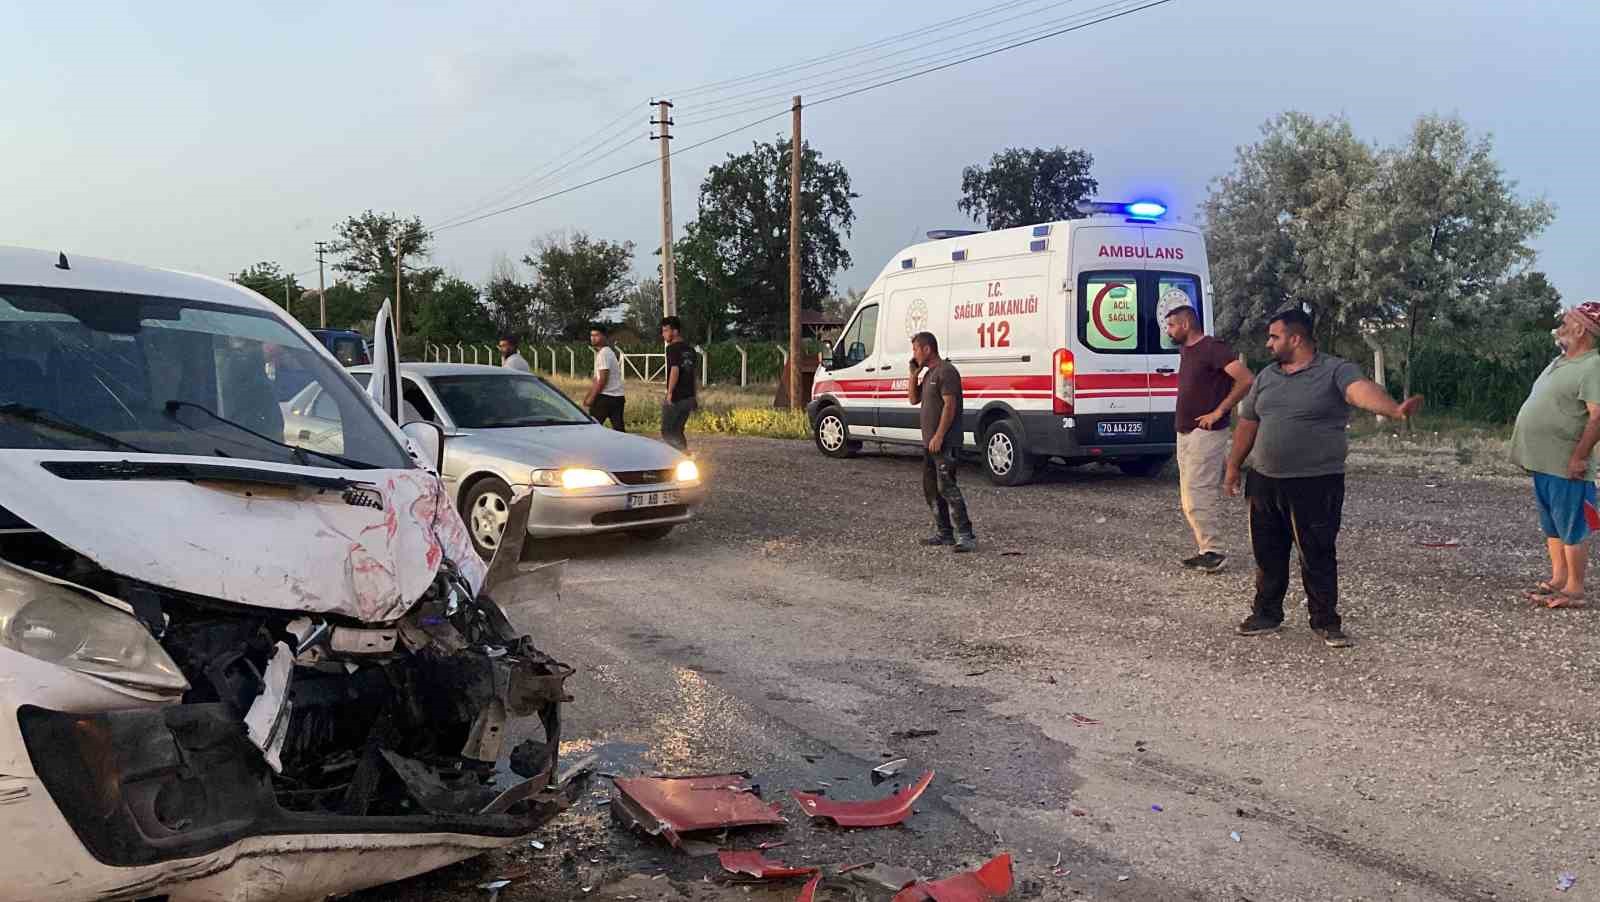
{"type": "Point", "coordinates": [859, 340]}
{"type": "Point", "coordinates": [1108, 311]}
{"type": "Point", "coordinates": [1174, 290]}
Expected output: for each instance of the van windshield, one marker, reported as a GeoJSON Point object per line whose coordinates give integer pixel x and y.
{"type": "Point", "coordinates": [96, 370]}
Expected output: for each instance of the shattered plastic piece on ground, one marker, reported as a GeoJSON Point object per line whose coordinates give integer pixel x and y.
{"type": "Point", "coordinates": [493, 888]}
{"type": "Point", "coordinates": [672, 806]}
{"type": "Point", "coordinates": [1157, 809]}
{"type": "Point", "coordinates": [1235, 836]}
{"type": "Point", "coordinates": [1448, 543]}
{"type": "Point", "coordinates": [888, 769]}
{"type": "Point", "coordinates": [992, 881]}
{"type": "Point", "coordinates": [875, 813]}
{"type": "Point", "coordinates": [881, 876]}
{"type": "Point", "coordinates": [1083, 721]}
{"type": "Point", "coordinates": [809, 891]}
{"type": "Point", "coordinates": [1566, 881]}
{"type": "Point", "coordinates": [756, 865]}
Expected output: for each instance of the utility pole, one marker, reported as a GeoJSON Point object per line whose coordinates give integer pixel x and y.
{"type": "Point", "coordinates": [322, 290]}
{"type": "Point", "coordinates": [397, 256]}
{"type": "Point", "coordinates": [794, 261]}
{"type": "Point", "coordinates": [287, 280]}
{"type": "Point", "coordinates": [669, 278]}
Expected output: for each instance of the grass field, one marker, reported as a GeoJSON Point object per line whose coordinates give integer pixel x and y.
{"type": "Point", "coordinates": [724, 410]}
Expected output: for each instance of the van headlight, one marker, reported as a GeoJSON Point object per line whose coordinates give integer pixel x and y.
{"type": "Point", "coordinates": [687, 471]}
{"type": "Point", "coordinates": [61, 626]}
{"type": "Point", "coordinates": [571, 478]}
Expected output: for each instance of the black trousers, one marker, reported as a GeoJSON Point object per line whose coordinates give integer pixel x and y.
{"type": "Point", "coordinates": [609, 407]}
{"type": "Point", "coordinates": [1303, 514]}
{"type": "Point", "coordinates": [943, 494]}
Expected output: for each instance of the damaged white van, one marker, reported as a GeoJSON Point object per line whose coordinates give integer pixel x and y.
{"type": "Point", "coordinates": [231, 667]}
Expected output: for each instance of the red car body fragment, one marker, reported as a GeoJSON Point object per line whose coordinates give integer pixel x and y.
{"type": "Point", "coordinates": [876, 813]}
{"type": "Point", "coordinates": [673, 806]}
{"type": "Point", "coordinates": [990, 882]}
{"type": "Point", "coordinates": [756, 865]}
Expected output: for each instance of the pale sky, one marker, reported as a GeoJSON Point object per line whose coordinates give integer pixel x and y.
{"type": "Point", "coordinates": [209, 136]}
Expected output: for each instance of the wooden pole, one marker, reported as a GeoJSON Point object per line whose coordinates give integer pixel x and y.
{"type": "Point", "coordinates": [794, 261]}
{"type": "Point", "coordinates": [397, 256]}
{"type": "Point", "coordinates": [322, 291]}
{"type": "Point", "coordinates": [669, 279]}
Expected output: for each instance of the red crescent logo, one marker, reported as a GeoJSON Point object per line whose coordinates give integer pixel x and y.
{"type": "Point", "coordinates": [1094, 310]}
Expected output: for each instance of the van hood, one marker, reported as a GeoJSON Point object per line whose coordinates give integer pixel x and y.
{"type": "Point", "coordinates": [368, 553]}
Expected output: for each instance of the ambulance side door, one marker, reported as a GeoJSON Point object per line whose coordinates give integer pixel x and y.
{"type": "Point", "coordinates": [856, 366]}
{"type": "Point", "coordinates": [918, 301]}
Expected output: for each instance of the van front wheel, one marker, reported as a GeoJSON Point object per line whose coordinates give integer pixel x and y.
{"type": "Point", "coordinates": [1004, 458]}
{"type": "Point", "coordinates": [832, 434]}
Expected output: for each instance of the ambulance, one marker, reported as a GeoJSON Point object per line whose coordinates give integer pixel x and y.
{"type": "Point", "coordinates": [1058, 331]}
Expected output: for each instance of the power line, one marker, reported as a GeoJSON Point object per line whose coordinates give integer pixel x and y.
{"type": "Point", "coordinates": [595, 155]}
{"type": "Point", "coordinates": [804, 64]}
{"type": "Point", "coordinates": [1044, 29]}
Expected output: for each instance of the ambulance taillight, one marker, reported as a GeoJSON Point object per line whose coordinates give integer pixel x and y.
{"type": "Point", "coordinates": [1064, 381]}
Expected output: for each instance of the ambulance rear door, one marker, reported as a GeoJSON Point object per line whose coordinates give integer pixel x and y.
{"type": "Point", "coordinates": [1111, 335]}
{"type": "Point", "coordinates": [1177, 270]}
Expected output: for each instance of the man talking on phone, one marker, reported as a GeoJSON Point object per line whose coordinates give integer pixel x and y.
{"type": "Point", "coordinates": [938, 393]}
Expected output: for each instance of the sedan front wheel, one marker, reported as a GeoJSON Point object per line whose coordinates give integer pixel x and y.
{"type": "Point", "coordinates": [486, 509]}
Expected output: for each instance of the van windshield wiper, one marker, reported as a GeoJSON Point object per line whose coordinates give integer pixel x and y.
{"type": "Point", "coordinates": [296, 453]}
{"type": "Point", "coordinates": [49, 420]}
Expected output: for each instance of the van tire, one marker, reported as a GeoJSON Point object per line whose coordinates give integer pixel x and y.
{"type": "Point", "coordinates": [489, 499]}
{"type": "Point", "coordinates": [832, 434]}
{"type": "Point", "coordinates": [1005, 459]}
{"type": "Point", "coordinates": [1143, 467]}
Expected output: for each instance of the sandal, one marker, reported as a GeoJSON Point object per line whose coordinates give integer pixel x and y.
{"type": "Point", "coordinates": [1564, 600]}
{"type": "Point", "coordinates": [1541, 591]}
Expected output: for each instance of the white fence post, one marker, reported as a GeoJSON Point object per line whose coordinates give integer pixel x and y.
{"type": "Point", "coordinates": [461, 349]}
{"type": "Point", "coordinates": [489, 351]}
{"type": "Point", "coordinates": [705, 373]}
{"type": "Point", "coordinates": [744, 366]}
{"type": "Point", "coordinates": [572, 362]}
{"type": "Point", "coordinates": [552, 359]}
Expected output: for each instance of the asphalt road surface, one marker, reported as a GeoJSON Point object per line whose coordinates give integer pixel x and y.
{"type": "Point", "coordinates": [796, 628]}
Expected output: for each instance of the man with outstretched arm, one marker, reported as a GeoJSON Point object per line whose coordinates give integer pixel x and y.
{"type": "Point", "coordinates": [1292, 429]}
{"type": "Point", "coordinates": [938, 393]}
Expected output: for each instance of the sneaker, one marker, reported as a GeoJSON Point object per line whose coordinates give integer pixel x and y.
{"type": "Point", "coordinates": [1333, 637]}
{"type": "Point", "coordinates": [1255, 626]}
{"type": "Point", "coordinates": [966, 544]}
{"type": "Point", "coordinates": [937, 540]}
{"type": "Point", "coordinates": [1211, 562]}
{"type": "Point", "coordinates": [1193, 563]}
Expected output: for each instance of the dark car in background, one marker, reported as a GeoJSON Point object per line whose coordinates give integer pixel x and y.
{"type": "Point", "coordinates": [348, 347]}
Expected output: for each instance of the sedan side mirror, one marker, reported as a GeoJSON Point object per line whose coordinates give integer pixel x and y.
{"type": "Point", "coordinates": [429, 441]}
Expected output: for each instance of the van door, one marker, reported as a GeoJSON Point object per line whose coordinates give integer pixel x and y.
{"type": "Point", "coordinates": [918, 301]}
{"type": "Point", "coordinates": [855, 367]}
{"type": "Point", "coordinates": [1111, 336]}
{"type": "Point", "coordinates": [1176, 269]}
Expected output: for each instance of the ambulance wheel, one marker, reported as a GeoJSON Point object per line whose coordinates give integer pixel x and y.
{"type": "Point", "coordinates": [1004, 458]}
{"type": "Point", "coordinates": [832, 434]}
{"type": "Point", "coordinates": [1143, 467]}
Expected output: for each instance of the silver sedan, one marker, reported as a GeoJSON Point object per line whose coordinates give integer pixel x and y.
{"type": "Point", "coordinates": [508, 432]}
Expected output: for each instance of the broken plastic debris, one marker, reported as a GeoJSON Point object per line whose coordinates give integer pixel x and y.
{"type": "Point", "coordinates": [1566, 881]}
{"type": "Point", "coordinates": [809, 891]}
{"type": "Point", "coordinates": [887, 769]}
{"type": "Point", "coordinates": [1123, 878]}
{"type": "Point", "coordinates": [537, 845]}
{"type": "Point", "coordinates": [756, 865]}
{"type": "Point", "coordinates": [671, 806]}
{"type": "Point", "coordinates": [912, 734]}
{"type": "Point", "coordinates": [1084, 721]}
{"type": "Point", "coordinates": [992, 881]}
{"type": "Point", "coordinates": [493, 887]}
{"type": "Point", "coordinates": [875, 813]}
{"type": "Point", "coordinates": [1447, 543]}
{"type": "Point", "coordinates": [881, 876]}
{"type": "Point", "coordinates": [1157, 809]}
{"type": "Point", "coordinates": [1235, 836]}
{"type": "Point", "coordinates": [265, 722]}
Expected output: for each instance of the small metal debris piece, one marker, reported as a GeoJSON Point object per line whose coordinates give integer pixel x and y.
{"type": "Point", "coordinates": [1084, 721]}
{"type": "Point", "coordinates": [990, 882]}
{"type": "Point", "coordinates": [888, 769]}
{"type": "Point", "coordinates": [1566, 881]}
{"type": "Point", "coordinates": [493, 888]}
{"type": "Point", "coordinates": [1123, 878]}
{"type": "Point", "coordinates": [875, 813]}
{"type": "Point", "coordinates": [881, 876]}
{"type": "Point", "coordinates": [756, 865]}
{"type": "Point", "coordinates": [1235, 836]}
{"type": "Point", "coordinates": [672, 806]}
{"type": "Point", "coordinates": [537, 845]}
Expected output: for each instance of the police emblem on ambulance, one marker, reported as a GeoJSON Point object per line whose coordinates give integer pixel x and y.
{"type": "Point", "coordinates": [916, 317]}
{"type": "Point", "coordinates": [1170, 300]}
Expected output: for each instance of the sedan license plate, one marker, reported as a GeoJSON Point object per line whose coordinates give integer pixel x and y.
{"type": "Point", "coordinates": [652, 499]}
{"type": "Point", "coordinates": [1120, 429]}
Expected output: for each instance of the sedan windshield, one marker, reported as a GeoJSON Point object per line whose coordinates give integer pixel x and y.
{"type": "Point", "coordinates": [96, 370]}
{"type": "Point", "coordinates": [491, 400]}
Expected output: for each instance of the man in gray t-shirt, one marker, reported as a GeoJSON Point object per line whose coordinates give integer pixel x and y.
{"type": "Point", "coordinates": [938, 394]}
{"type": "Point", "coordinates": [1292, 429]}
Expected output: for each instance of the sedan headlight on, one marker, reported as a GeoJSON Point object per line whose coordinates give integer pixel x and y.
{"type": "Point", "coordinates": [571, 478]}
{"type": "Point", "coordinates": [687, 471]}
{"type": "Point", "coordinates": [53, 623]}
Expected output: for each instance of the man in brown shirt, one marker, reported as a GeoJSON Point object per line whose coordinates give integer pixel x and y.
{"type": "Point", "coordinates": [938, 393]}
{"type": "Point", "coordinates": [1211, 380]}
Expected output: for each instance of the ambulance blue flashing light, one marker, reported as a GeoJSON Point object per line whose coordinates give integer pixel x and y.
{"type": "Point", "coordinates": [1146, 209]}
{"type": "Point", "coordinates": [1139, 210]}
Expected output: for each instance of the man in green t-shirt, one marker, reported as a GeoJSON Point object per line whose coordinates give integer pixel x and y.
{"type": "Point", "coordinates": [1554, 439]}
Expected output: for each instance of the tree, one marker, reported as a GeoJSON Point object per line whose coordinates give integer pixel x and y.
{"type": "Point", "coordinates": [348, 308]}
{"type": "Point", "coordinates": [706, 290]}
{"type": "Point", "coordinates": [643, 304]}
{"type": "Point", "coordinates": [268, 280]}
{"type": "Point", "coordinates": [1277, 229]}
{"type": "Point", "coordinates": [1441, 231]}
{"type": "Point", "coordinates": [450, 308]}
{"type": "Point", "coordinates": [578, 277]}
{"type": "Point", "coordinates": [737, 250]}
{"type": "Point", "coordinates": [513, 304]}
{"type": "Point", "coordinates": [1024, 187]}
{"type": "Point", "coordinates": [368, 244]}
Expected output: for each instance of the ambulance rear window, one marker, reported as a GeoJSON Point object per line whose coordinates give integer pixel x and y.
{"type": "Point", "coordinates": [1174, 290]}
{"type": "Point", "coordinates": [1108, 311]}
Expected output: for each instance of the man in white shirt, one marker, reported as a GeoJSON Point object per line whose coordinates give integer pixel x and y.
{"type": "Point", "coordinates": [510, 357]}
{"type": "Point", "coordinates": [605, 400]}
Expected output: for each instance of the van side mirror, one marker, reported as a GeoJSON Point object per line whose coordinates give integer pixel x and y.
{"type": "Point", "coordinates": [429, 441]}
{"type": "Point", "coordinates": [827, 352]}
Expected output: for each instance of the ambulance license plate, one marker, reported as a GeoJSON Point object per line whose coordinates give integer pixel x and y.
{"type": "Point", "coordinates": [652, 499]}
{"type": "Point", "coordinates": [1120, 429]}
